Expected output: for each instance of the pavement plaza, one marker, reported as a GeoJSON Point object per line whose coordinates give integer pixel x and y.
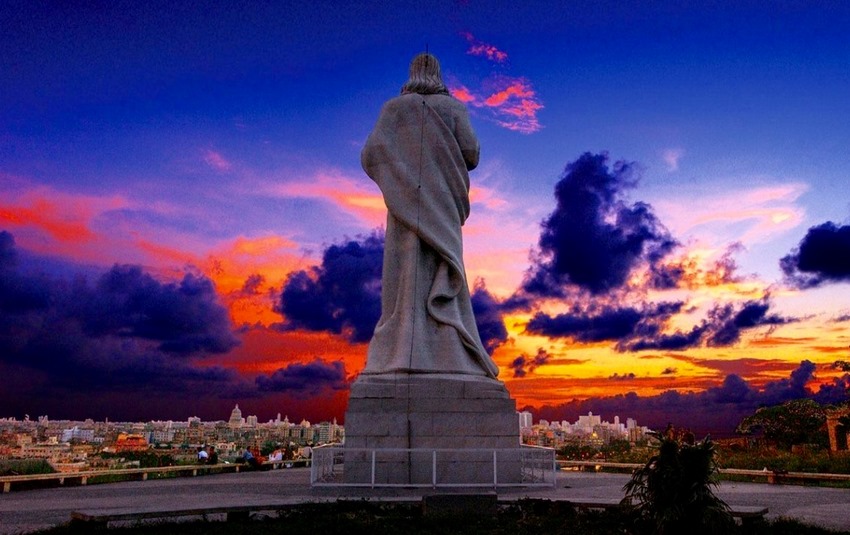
{"type": "Point", "coordinates": [28, 511]}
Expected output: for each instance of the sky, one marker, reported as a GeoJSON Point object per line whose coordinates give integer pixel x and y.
{"type": "Point", "coordinates": [660, 223]}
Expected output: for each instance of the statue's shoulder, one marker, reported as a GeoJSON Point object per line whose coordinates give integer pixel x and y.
{"type": "Point", "coordinates": [406, 100]}
{"type": "Point", "coordinates": [446, 104]}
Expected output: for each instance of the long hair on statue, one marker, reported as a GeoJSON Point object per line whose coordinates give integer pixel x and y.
{"type": "Point", "coordinates": [425, 77]}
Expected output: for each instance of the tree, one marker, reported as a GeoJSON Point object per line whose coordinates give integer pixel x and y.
{"type": "Point", "coordinates": [674, 491]}
{"type": "Point", "coordinates": [799, 421]}
{"type": "Point", "coordinates": [268, 447]}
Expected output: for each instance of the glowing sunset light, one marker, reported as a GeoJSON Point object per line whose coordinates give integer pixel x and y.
{"type": "Point", "coordinates": [658, 224]}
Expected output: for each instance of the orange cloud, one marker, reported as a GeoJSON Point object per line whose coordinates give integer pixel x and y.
{"type": "Point", "coordinates": [248, 273]}
{"type": "Point", "coordinates": [264, 350]}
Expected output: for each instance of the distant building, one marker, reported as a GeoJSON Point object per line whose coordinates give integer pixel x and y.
{"type": "Point", "coordinates": [130, 442]}
{"type": "Point", "coordinates": [525, 420]}
{"type": "Point", "coordinates": [75, 433]}
{"type": "Point", "coordinates": [236, 420]}
{"type": "Point", "coordinates": [587, 430]}
{"type": "Point", "coordinates": [839, 434]}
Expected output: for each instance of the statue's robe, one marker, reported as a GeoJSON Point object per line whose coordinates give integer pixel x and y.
{"type": "Point", "coordinates": [419, 154]}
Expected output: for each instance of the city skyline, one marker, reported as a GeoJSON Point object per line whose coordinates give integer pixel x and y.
{"type": "Point", "coordinates": [660, 223]}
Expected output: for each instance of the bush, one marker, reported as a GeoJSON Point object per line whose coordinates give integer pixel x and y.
{"type": "Point", "coordinates": [674, 491]}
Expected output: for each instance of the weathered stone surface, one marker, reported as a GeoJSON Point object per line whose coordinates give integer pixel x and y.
{"type": "Point", "coordinates": [434, 413]}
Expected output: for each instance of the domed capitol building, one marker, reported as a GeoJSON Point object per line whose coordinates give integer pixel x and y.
{"type": "Point", "coordinates": [236, 421]}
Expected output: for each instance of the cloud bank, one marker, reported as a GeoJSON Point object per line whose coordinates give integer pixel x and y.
{"type": "Point", "coordinates": [593, 239]}
{"type": "Point", "coordinates": [822, 257]}
{"type": "Point", "coordinates": [718, 409]}
{"type": "Point", "coordinates": [342, 295]}
{"type": "Point", "coordinates": [127, 330]}
{"type": "Point", "coordinates": [310, 379]}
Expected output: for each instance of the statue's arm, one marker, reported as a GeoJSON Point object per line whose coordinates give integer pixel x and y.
{"type": "Point", "coordinates": [466, 139]}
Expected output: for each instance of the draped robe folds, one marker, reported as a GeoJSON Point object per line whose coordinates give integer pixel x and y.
{"type": "Point", "coordinates": [419, 154]}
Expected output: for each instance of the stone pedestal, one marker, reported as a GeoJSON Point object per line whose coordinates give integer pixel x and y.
{"type": "Point", "coordinates": [427, 413]}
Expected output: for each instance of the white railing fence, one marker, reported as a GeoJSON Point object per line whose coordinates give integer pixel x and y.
{"type": "Point", "coordinates": [527, 466]}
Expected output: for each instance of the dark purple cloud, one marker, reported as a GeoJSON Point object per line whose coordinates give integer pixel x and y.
{"type": "Point", "coordinates": [792, 388]}
{"type": "Point", "coordinates": [725, 323]}
{"type": "Point", "coordinates": [309, 379]}
{"type": "Point", "coordinates": [665, 276]}
{"type": "Point", "coordinates": [604, 322]}
{"type": "Point", "coordinates": [488, 317]}
{"type": "Point", "coordinates": [19, 293]}
{"type": "Point", "coordinates": [822, 257]}
{"type": "Point", "coordinates": [184, 318]}
{"type": "Point", "coordinates": [717, 410]}
{"type": "Point", "coordinates": [252, 285]}
{"type": "Point", "coordinates": [642, 328]}
{"type": "Point", "coordinates": [722, 327]}
{"type": "Point", "coordinates": [126, 331]}
{"type": "Point", "coordinates": [624, 377]}
{"type": "Point", "coordinates": [593, 239]}
{"type": "Point", "coordinates": [342, 295]}
{"type": "Point", "coordinates": [524, 364]}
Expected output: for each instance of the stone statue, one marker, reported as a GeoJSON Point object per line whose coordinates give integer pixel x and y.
{"type": "Point", "coordinates": [419, 154]}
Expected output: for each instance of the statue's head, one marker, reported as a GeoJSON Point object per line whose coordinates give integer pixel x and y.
{"type": "Point", "coordinates": [425, 77]}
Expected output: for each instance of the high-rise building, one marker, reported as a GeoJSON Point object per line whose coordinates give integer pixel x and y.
{"type": "Point", "coordinates": [524, 419]}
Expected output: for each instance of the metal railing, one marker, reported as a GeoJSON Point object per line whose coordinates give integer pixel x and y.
{"type": "Point", "coordinates": [83, 477]}
{"type": "Point", "coordinates": [527, 466]}
{"type": "Point", "coordinates": [770, 476]}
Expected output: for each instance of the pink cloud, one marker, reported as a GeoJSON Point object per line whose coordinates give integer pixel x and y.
{"type": "Point", "coordinates": [482, 49]}
{"type": "Point", "coordinates": [672, 157]}
{"type": "Point", "coordinates": [517, 89]}
{"type": "Point", "coordinates": [216, 161]}
{"type": "Point", "coordinates": [55, 223]}
{"type": "Point", "coordinates": [354, 195]}
{"type": "Point", "coordinates": [463, 94]}
{"type": "Point", "coordinates": [511, 102]}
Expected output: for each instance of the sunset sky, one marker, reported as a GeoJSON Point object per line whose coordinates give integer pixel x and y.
{"type": "Point", "coordinates": [660, 222]}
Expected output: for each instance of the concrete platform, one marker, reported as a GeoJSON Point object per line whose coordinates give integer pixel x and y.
{"type": "Point", "coordinates": [28, 511]}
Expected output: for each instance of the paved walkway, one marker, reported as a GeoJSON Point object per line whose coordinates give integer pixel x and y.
{"type": "Point", "coordinates": [27, 511]}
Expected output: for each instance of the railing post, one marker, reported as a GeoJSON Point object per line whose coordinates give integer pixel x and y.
{"type": "Point", "coordinates": [434, 468]}
{"type": "Point", "coordinates": [373, 469]}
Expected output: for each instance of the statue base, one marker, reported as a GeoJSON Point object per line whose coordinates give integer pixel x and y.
{"type": "Point", "coordinates": [423, 429]}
